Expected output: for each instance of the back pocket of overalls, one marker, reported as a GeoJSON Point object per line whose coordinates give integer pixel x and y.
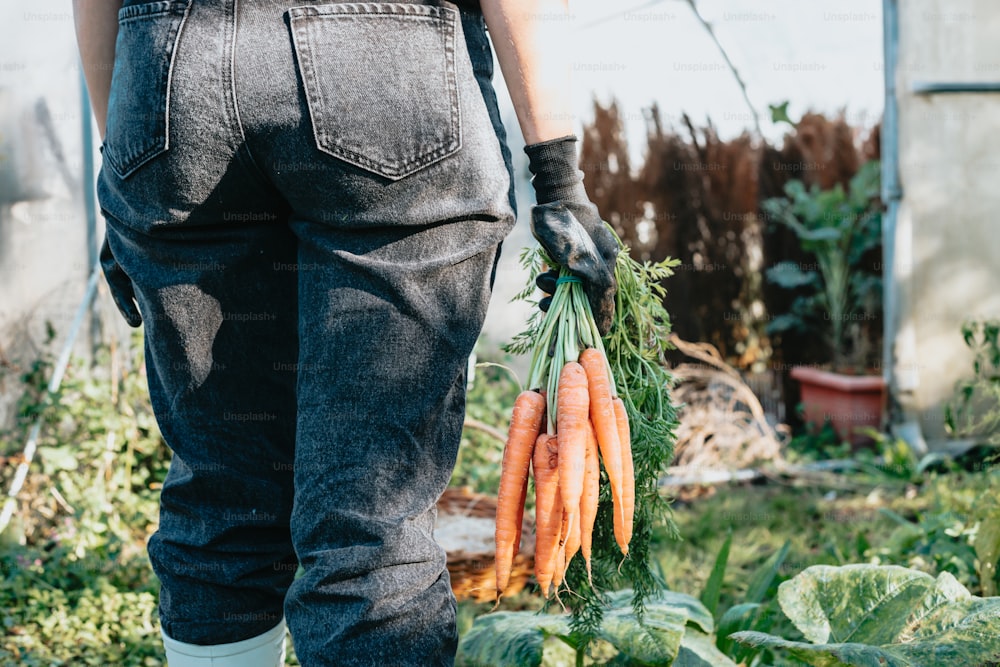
{"type": "Point", "coordinates": [139, 106]}
{"type": "Point", "coordinates": [379, 79]}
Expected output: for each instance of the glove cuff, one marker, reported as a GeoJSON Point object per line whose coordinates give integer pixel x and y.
{"type": "Point", "coordinates": [555, 171]}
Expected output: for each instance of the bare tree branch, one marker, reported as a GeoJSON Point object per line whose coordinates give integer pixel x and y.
{"type": "Point", "coordinates": [732, 67]}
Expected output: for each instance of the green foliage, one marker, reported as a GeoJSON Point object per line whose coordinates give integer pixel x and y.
{"type": "Point", "coordinates": [746, 616]}
{"type": "Point", "coordinates": [713, 588]}
{"type": "Point", "coordinates": [898, 459]}
{"type": "Point", "coordinates": [636, 346]}
{"type": "Point", "coordinates": [79, 590]}
{"type": "Point", "coordinates": [510, 638]}
{"type": "Point", "coordinates": [964, 545]}
{"type": "Point", "coordinates": [935, 542]}
{"type": "Point", "coordinates": [839, 228]}
{"type": "Point", "coordinates": [820, 444]}
{"type": "Point", "coordinates": [987, 545]}
{"type": "Point", "coordinates": [100, 624]}
{"type": "Point", "coordinates": [779, 113]}
{"type": "Point", "coordinates": [755, 611]}
{"type": "Point", "coordinates": [675, 629]}
{"type": "Point", "coordinates": [832, 520]}
{"type": "Point", "coordinates": [958, 534]}
{"type": "Point", "coordinates": [888, 460]}
{"type": "Point", "coordinates": [77, 585]}
{"type": "Point", "coordinates": [975, 410]}
{"type": "Point", "coordinates": [763, 579]}
{"type": "Point", "coordinates": [884, 615]}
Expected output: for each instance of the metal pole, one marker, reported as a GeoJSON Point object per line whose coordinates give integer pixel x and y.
{"type": "Point", "coordinates": [953, 87]}
{"type": "Point", "coordinates": [89, 201]}
{"type": "Point", "coordinates": [891, 192]}
{"type": "Point", "coordinates": [902, 422]}
{"type": "Point", "coordinates": [58, 371]}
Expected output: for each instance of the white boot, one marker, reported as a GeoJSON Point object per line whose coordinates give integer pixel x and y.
{"type": "Point", "coordinates": [266, 650]}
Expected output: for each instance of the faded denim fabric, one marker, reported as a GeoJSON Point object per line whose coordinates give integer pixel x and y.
{"type": "Point", "coordinates": [308, 198]}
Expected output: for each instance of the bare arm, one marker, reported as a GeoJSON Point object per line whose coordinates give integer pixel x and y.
{"type": "Point", "coordinates": [531, 38]}
{"type": "Point", "coordinates": [96, 30]}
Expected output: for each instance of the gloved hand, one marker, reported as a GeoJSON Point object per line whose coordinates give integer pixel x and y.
{"type": "Point", "coordinates": [120, 286]}
{"type": "Point", "coordinates": [567, 224]}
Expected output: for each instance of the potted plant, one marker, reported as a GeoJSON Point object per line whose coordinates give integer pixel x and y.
{"type": "Point", "coordinates": [837, 297]}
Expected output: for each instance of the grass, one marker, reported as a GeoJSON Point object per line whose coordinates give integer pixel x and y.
{"type": "Point", "coordinates": [822, 527]}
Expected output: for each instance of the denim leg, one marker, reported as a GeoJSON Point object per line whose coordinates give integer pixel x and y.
{"type": "Point", "coordinates": [385, 341]}
{"type": "Point", "coordinates": [221, 361]}
{"type": "Point", "coordinates": [202, 236]}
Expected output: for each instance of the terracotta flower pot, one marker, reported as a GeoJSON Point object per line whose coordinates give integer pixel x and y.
{"type": "Point", "coordinates": [850, 403]}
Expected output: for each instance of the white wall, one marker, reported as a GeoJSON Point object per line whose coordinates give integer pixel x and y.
{"type": "Point", "coordinates": [948, 246]}
{"type": "Point", "coordinates": [43, 256]}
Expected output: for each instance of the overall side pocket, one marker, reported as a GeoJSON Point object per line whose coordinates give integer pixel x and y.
{"type": "Point", "coordinates": [139, 105]}
{"type": "Point", "coordinates": [380, 82]}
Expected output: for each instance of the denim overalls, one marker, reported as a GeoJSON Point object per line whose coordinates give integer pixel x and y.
{"type": "Point", "coordinates": [309, 198]}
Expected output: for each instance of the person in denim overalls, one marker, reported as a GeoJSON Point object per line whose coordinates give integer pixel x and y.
{"type": "Point", "coordinates": [305, 202]}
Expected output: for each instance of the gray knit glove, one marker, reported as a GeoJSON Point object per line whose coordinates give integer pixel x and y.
{"type": "Point", "coordinates": [120, 286]}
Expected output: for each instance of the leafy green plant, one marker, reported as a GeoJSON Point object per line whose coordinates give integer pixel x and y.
{"type": "Point", "coordinates": [867, 615]}
{"type": "Point", "coordinates": [975, 410]}
{"type": "Point", "coordinates": [820, 444]}
{"type": "Point", "coordinates": [935, 542]}
{"type": "Point", "coordinates": [839, 228]}
{"type": "Point", "coordinates": [966, 546]}
{"type": "Point", "coordinates": [754, 611]}
{"type": "Point", "coordinates": [77, 587]}
{"type": "Point", "coordinates": [675, 629]}
{"type": "Point", "coordinates": [713, 587]}
{"type": "Point", "coordinates": [987, 545]}
{"type": "Point", "coordinates": [888, 461]}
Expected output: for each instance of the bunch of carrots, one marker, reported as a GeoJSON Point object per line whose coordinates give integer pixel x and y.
{"type": "Point", "coordinates": [563, 426]}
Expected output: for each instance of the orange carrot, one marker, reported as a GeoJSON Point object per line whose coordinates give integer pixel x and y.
{"type": "Point", "coordinates": [602, 414]}
{"type": "Point", "coordinates": [525, 424]}
{"type": "Point", "coordinates": [573, 535]}
{"type": "Point", "coordinates": [548, 508]}
{"type": "Point", "coordinates": [520, 517]}
{"type": "Point", "coordinates": [572, 409]}
{"type": "Point", "coordinates": [589, 501]}
{"type": "Point", "coordinates": [628, 476]}
{"type": "Point", "coordinates": [560, 569]}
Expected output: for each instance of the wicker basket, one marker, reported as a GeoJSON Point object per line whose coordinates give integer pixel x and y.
{"type": "Point", "coordinates": [465, 528]}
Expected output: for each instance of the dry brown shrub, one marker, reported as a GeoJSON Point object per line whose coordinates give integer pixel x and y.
{"type": "Point", "coordinates": [696, 198]}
